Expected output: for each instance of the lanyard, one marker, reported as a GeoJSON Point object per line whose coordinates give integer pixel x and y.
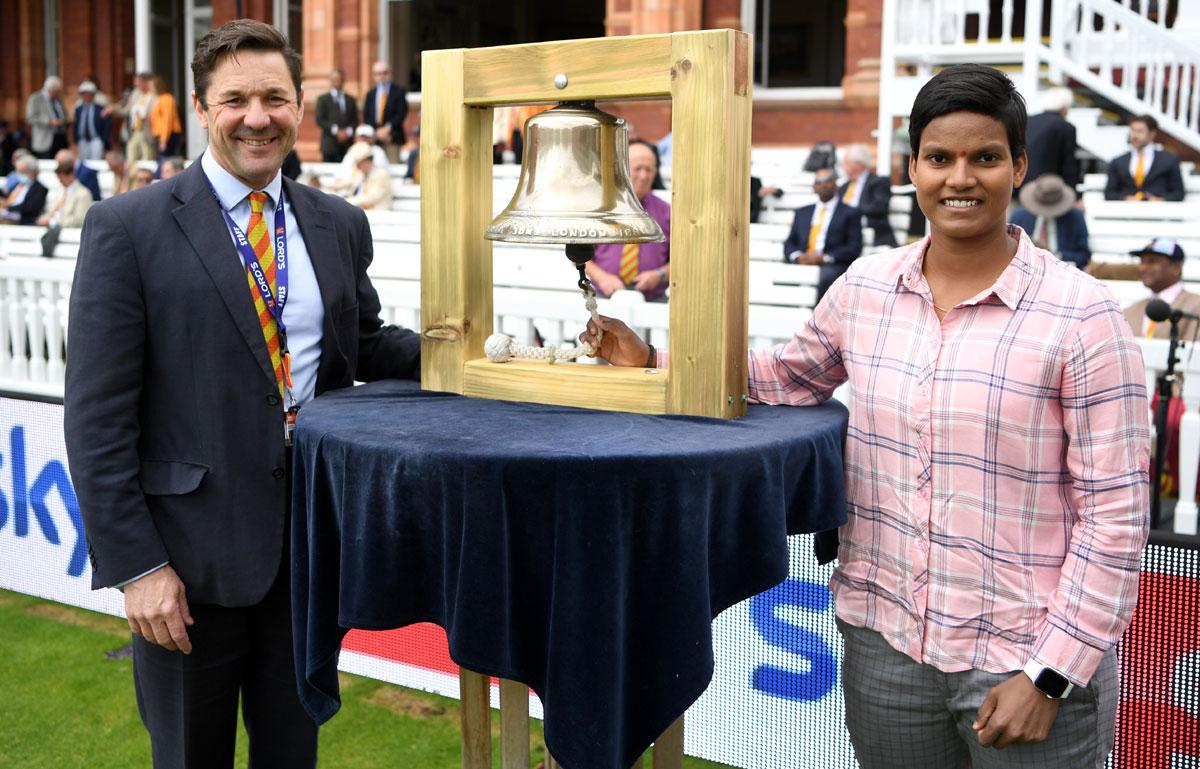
{"type": "Point", "coordinates": [250, 259]}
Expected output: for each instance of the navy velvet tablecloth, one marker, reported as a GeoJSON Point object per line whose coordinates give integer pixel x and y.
{"type": "Point", "coordinates": [584, 553]}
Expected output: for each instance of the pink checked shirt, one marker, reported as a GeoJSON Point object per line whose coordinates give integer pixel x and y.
{"type": "Point", "coordinates": [996, 462]}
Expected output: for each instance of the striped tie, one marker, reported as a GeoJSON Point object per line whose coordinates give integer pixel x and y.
{"type": "Point", "coordinates": [1139, 174]}
{"type": "Point", "coordinates": [815, 230]}
{"type": "Point", "coordinates": [629, 264]}
{"type": "Point", "coordinates": [260, 241]}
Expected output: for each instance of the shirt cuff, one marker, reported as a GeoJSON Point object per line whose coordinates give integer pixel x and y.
{"type": "Point", "coordinates": [1066, 654]}
{"type": "Point", "coordinates": [121, 585]}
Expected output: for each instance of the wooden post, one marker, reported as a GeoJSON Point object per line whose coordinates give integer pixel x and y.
{"type": "Point", "coordinates": [514, 725]}
{"type": "Point", "coordinates": [475, 692]}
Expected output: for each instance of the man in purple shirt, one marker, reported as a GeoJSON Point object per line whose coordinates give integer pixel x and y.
{"type": "Point", "coordinates": [651, 271]}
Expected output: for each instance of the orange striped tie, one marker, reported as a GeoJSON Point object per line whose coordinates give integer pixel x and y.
{"type": "Point", "coordinates": [260, 241]}
{"type": "Point", "coordinates": [1139, 174]}
{"type": "Point", "coordinates": [629, 264]}
{"type": "Point", "coordinates": [814, 231]}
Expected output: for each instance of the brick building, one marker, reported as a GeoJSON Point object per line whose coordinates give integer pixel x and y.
{"type": "Point", "coordinates": [816, 64]}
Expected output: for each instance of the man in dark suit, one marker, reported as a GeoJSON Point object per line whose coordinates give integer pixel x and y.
{"type": "Point", "coordinates": [827, 233]}
{"type": "Point", "coordinates": [870, 193]}
{"type": "Point", "coordinates": [1144, 173]}
{"type": "Point", "coordinates": [1050, 140]}
{"type": "Point", "coordinates": [92, 126]}
{"type": "Point", "coordinates": [384, 109]}
{"type": "Point", "coordinates": [24, 202]}
{"type": "Point", "coordinates": [184, 374]}
{"type": "Point", "coordinates": [337, 115]}
{"type": "Point", "coordinates": [86, 175]}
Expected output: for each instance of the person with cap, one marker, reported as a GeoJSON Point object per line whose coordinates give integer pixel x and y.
{"type": "Point", "coordinates": [1048, 215]}
{"type": "Point", "coordinates": [92, 126]}
{"type": "Point", "coordinates": [370, 186]}
{"type": "Point", "coordinates": [1160, 267]}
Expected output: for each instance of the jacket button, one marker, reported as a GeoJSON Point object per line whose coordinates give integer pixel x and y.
{"type": "Point", "coordinates": [278, 473]}
{"type": "Point", "coordinates": [273, 399]}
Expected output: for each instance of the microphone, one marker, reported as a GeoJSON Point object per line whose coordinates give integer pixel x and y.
{"type": "Point", "coordinates": [1157, 310]}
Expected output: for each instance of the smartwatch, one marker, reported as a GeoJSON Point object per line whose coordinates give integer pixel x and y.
{"type": "Point", "coordinates": [1048, 680]}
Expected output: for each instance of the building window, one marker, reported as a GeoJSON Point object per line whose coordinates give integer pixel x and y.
{"type": "Point", "coordinates": [797, 45]}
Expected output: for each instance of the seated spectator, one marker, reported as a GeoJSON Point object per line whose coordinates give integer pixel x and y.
{"type": "Point", "coordinates": [120, 170]}
{"type": "Point", "coordinates": [140, 177]}
{"type": "Point", "coordinates": [170, 167]}
{"type": "Point", "coordinates": [70, 202]}
{"type": "Point", "coordinates": [86, 175]}
{"type": "Point", "coordinates": [24, 203]}
{"type": "Point", "coordinates": [291, 165]}
{"type": "Point", "coordinates": [371, 187]}
{"type": "Point", "coordinates": [757, 193]}
{"type": "Point", "coordinates": [644, 267]}
{"type": "Point", "coordinates": [1144, 173]}
{"type": "Point", "coordinates": [1048, 215]}
{"type": "Point", "coordinates": [11, 181]}
{"type": "Point", "coordinates": [827, 233]}
{"type": "Point", "coordinates": [8, 148]}
{"type": "Point", "coordinates": [1161, 270]}
{"type": "Point", "coordinates": [365, 135]}
{"type": "Point", "coordinates": [870, 193]}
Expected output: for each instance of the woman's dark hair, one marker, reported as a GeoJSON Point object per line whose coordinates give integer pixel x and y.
{"type": "Point", "coordinates": [234, 36]}
{"type": "Point", "coordinates": [970, 88]}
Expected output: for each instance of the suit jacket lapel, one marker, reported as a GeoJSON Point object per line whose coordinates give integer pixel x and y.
{"type": "Point", "coordinates": [200, 218]}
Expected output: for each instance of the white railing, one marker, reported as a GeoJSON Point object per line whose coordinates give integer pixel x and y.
{"type": "Point", "coordinates": [33, 325]}
{"type": "Point", "coordinates": [1108, 46]}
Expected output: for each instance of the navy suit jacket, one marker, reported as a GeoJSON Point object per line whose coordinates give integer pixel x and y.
{"type": "Point", "coordinates": [173, 421]}
{"type": "Point", "coordinates": [394, 111]}
{"type": "Point", "coordinates": [1072, 234]}
{"type": "Point", "coordinates": [103, 125]}
{"type": "Point", "coordinates": [34, 203]}
{"type": "Point", "coordinates": [88, 177]}
{"type": "Point", "coordinates": [1050, 144]}
{"type": "Point", "coordinates": [874, 203]}
{"type": "Point", "coordinates": [1163, 179]}
{"type": "Point", "coordinates": [843, 237]}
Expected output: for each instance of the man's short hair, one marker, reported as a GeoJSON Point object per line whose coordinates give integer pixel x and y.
{"type": "Point", "coordinates": [1146, 120]}
{"type": "Point", "coordinates": [970, 88]}
{"type": "Point", "coordinates": [51, 83]}
{"type": "Point", "coordinates": [174, 161]}
{"type": "Point", "coordinates": [232, 37]}
{"type": "Point", "coordinates": [27, 164]}
{"type": "Point", "coordinates": [115, 155]}
{"type": "Point", "coordinates": [64, 168]}
{"type": "Point", "coordinates": [145, 75]}
{"type": "Point", "coordinates": [647, 145]}
{"type": "Point", "coordinates": [858, 153]}
{"type": "Point", "coordinates": [1057, 99]}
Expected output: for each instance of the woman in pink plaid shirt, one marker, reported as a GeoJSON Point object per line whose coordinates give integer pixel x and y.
{"type": "Point", "coordinates": [996, 464]}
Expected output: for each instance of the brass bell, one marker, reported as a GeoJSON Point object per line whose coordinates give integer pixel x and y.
{"type": "Point", "coordinates": [574, 186]}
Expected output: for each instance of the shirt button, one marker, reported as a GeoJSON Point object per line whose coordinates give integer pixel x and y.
{"type": "Point", "coordinates": [273, 399]}
{"type": "Point", "coordinates": [278, 473]}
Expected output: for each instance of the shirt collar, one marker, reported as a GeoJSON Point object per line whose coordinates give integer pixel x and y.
{"type": "Point", "coordinates": [828, 205]}
{"type": "Point", "coordinates": [1170, 293]}
{"type": "Point", "coordinates": [230, 190]}
{"type": "Point", "coordinates": [1008, 288]}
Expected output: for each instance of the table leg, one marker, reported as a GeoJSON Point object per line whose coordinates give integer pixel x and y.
{"type": "Point", "coordinates": [551, 763]}
{"type": "Point", "coordinates": [475, 691]}
{"type": "Point", "coordinates": [668, 748]}
{"type": "Point", "coordinates": [514, 725]}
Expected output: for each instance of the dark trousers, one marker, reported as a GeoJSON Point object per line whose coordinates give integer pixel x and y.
{"type": "Point", "coordinates": [189, 702]}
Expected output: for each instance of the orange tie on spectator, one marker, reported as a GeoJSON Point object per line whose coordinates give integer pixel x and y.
{"type": "Point", "coordinates": [848, 198]}
{"type": "Point", "coordinates": [815, 230]}
{"type": "Point", "coordinates": [1139, 174]}
{"type": "Point", "coordinates": [12, 196]}
{"type": "Point", "coordinates": [260, 241]}
{"type": "Point", "coordinates": [628, 270]}
{"type": "Point", "coordinates": [382, 106]}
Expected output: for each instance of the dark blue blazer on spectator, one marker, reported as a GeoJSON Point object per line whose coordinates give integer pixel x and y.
{"type": "Point", "coordinates": [874, 202]}
{"type": "Point", "coordinates": [1050, 145]}
{"type": "Point", "coordinates": [394, 111]}
{"type": "Point", "coordinates": [1071, 229]}
{"type": "Point", "coordinates": [1163, 178]}
{"type": "Point", "coordinates": [102, 125]}
{"type": "Point", "coordinates": [31, 206]}
{"type": "Point", "coordinates": [88, 178]}
{"type": "Point", "coordinates": [843, 241]}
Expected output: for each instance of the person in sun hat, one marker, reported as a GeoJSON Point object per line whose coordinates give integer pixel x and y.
{"type": "Point", "coordinates": [1049, 217]}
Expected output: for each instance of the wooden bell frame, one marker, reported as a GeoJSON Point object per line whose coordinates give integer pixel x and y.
{"type": "Point", "coordinates": [707, 76]}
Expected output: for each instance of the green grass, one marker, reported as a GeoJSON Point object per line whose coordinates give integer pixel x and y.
{"type": "Point", "coordinates": [64, 704]}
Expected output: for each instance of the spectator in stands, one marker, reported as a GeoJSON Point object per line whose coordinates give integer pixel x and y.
{"type": "Point", "coordinates": [1144, 173]}
{"type": "Point", "coordinates": [171, 167]}
{"type": "Point", "coordinates": [46, 116]}
{"type": "Point", "coordinates": [164, 120]}
{"type": "Point", "coordinates": [1160, 266]}
{"type": "Point", "coordinates": [364, 134]}
{"type": "Point", "coordinates": [92, 126]}
{"type": "Point", "coordinates": [757, 193]}
{"type": "Point", "coordinates": [135, 109]}
{"type": "Point", "coordinates": [869, 192]}
{"type": "Point", "coordinates": [24, 203]}
{"type": "Point", "coordinates": [8, 146]}
{"type": "Point", "coordinates": [370, 188]}
{"type": "Point", "coordinates": [384, 109]}
{"type": "Point", "coordinates": [337, 115]}
{"type": "Point", "coordinates": [13, 179]}
{"type": "Point", "coordinates": [70, 202]}
{"type": "Point", "coordinates": [1050, 138]}
{"type": "Point", "coordinates": [1049, 217]}
{"type": "Point", "coordinates": [995, 464]}
{"type": "Point", "coordinates": [140, 177]}
{"type": "Point", "coordinates": [665, 146]}
{"type": "Point", "coordinates": [119, 168]}
{"type": "Point", "coordinates": [87, 176]}
{"type": "Point", "coordinates": [644, 267]}
{"type": "Point", "coordinates": [827, 233]}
